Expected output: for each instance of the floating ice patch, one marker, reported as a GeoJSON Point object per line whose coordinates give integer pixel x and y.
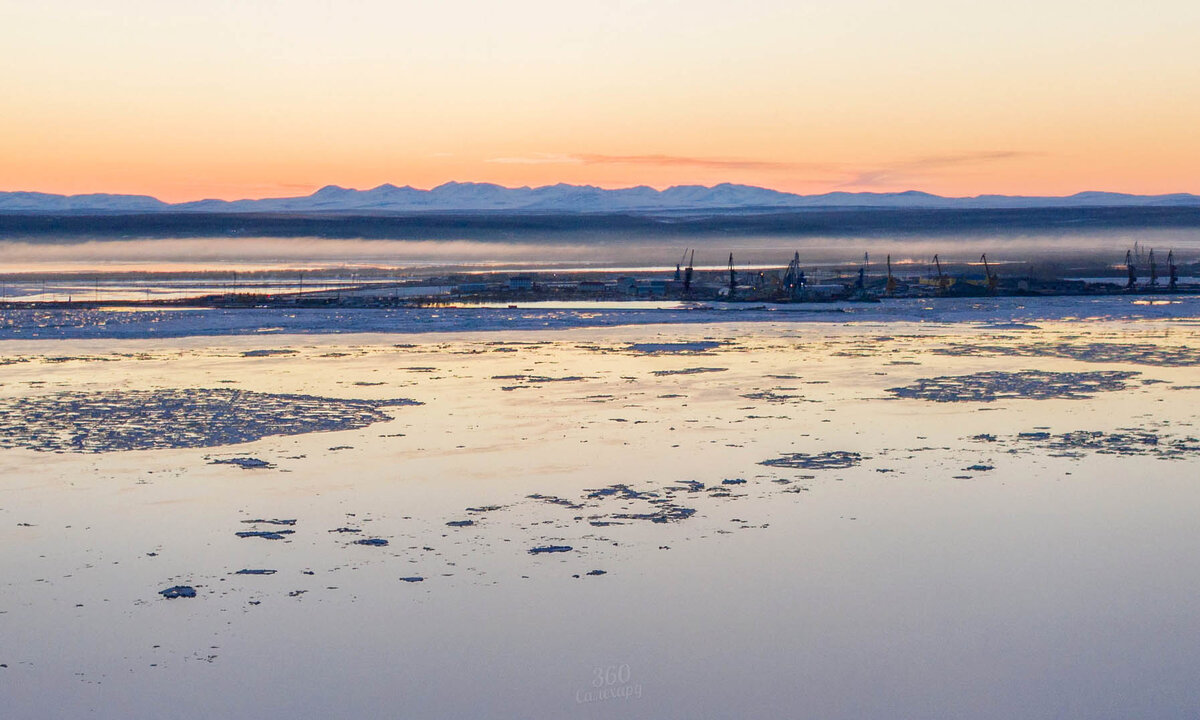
{"type": "Point", "coordinates": [550, 549]}
{"type": "Point", "coordinates": [1135, 353]}
{"type": "Point", "coordinates": [668, 513]}
{"type": "Point", "coordinates": [771, 396]}
{"type": "Point", "coordinates": [676, 347]}
{"type": "Point", "coordinates": [179, 418]}
{"type": "Point", "coordinates": [73, 358]}
{"type": "Point", "coordinates": [554, 500]}
{"type": "Point", "coordinates": [179, 591]}
{"type": "Point", "coordinates": [663, 511]}
{"type": "Point", "coordinates": [245, 463]}
{"type": "Point", "coordinates": [689, 371]}
{"type": "Point", "coordinates": [1033, 384]}
{"type": "Point", "coordinates": [539, 379]}
{"type": "Point", "coordinates": [620, 490]}
{"type": "Point", "coordinates": [832, 460]}
{"type": "Point", "coordinates": [1130, 441]}
{"type": "Point", "coordinates": [265, 534]}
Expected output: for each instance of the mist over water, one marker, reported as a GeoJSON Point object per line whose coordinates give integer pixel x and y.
{"type": "Point", "coordinates": [573, 251]}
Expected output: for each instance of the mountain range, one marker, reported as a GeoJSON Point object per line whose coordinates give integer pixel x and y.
{"type": "Point", "coordinates": [562, 198]}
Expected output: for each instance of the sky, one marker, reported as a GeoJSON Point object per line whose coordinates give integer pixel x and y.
{"type": "Point", "coordinates": [269, 98]}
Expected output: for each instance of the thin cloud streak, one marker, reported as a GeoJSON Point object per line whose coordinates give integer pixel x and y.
{"type": "Point", "coordinates": [905, 171]}
{"type": "Point", "coordinates": [701, 162]}
{"type": "Point", "coordinates": [653, 160]}
{"type": "Point", "coordinates": [898, 172]}
{"type": "Point", "coordinates": [538, 159]}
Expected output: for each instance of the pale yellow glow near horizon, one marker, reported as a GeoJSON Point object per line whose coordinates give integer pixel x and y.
{"type": "Point", "coordinates": [266, 98]}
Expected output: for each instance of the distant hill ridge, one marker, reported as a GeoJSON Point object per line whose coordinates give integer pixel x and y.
{"type": "Point", "coordinates": [562, 198]}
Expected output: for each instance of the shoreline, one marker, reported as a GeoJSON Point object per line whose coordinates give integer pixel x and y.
{"type": "Point", "coordinates": [114, 323]}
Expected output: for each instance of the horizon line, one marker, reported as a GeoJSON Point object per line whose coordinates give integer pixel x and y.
{"type": "Point", "coordinates": [334, 186]}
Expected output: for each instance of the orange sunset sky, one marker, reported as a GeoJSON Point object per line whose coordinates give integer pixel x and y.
{"type": "Point", "coordinates": [261, 98]}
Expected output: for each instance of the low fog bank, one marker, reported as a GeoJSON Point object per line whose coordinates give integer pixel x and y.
{"type": "Point", "coordinates": [1069, 250]}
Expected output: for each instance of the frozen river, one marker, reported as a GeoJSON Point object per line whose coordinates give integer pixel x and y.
{"type": "Point", "coordinates": [970, 509]}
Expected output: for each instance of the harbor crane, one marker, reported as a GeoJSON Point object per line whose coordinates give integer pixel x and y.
{"type": "Point", "coordinates": [992, 279]}
{"type": "Point", "coordinates": [1172, 271]}
{"type": "Point", "coordinates": [687, 273]}
{"type": "Point", "coordinates": [943, 281]}
{"type": "Point", "coordinates": [1130, 270]}
{"type": "Point", "coordinates": [732, 277]}
{"type": "Point", "coordinates": [793, 279]}
{"type": "Point", "coordinates": [891, 281]}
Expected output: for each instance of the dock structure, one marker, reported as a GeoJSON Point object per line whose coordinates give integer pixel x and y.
{"type": "Point", "coordinates": [794, 282]}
